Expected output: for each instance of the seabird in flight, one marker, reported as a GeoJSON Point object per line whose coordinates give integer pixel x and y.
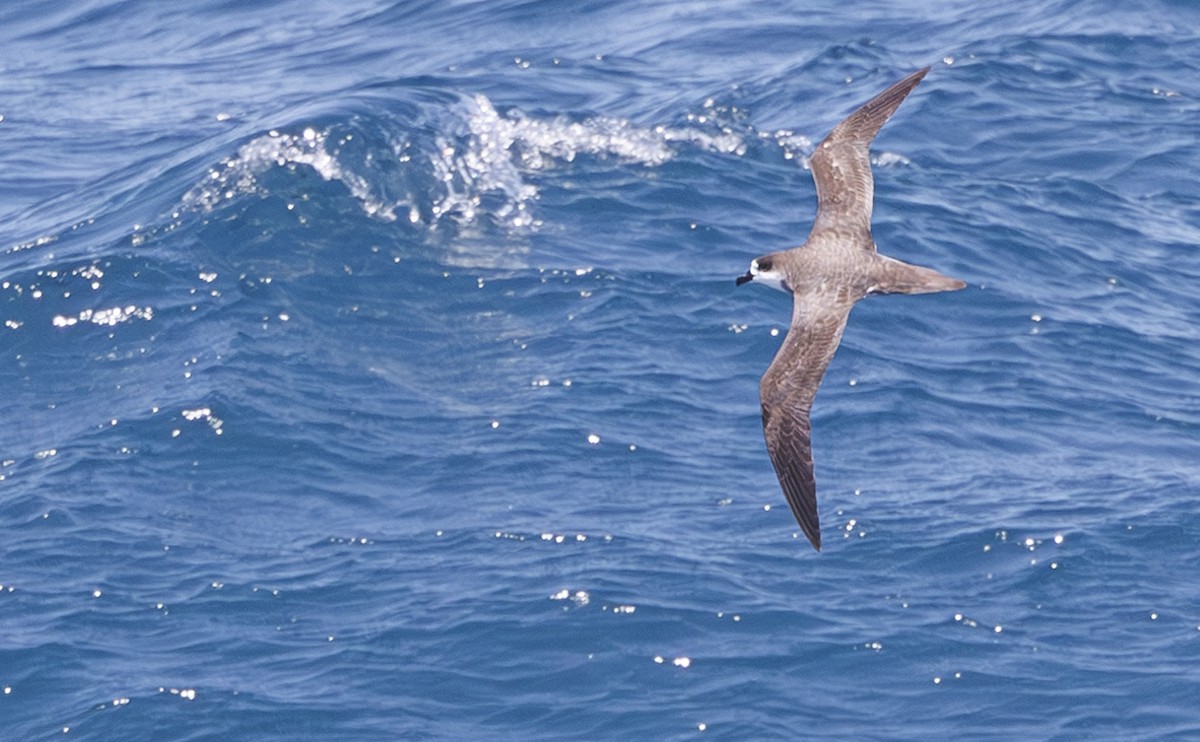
{"type": "Point", "coordinates": [833, 269]}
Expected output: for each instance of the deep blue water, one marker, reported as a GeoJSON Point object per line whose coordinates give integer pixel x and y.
{"type": "Point", "coordinates": [376, 371]}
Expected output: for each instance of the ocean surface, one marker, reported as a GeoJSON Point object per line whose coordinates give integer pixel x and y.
{"type": "Point", "coordinates": [375, 371]}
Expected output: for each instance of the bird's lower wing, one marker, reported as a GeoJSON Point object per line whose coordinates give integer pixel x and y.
{"type": "Point", "coordinates": [790, 446]}
{"type": "Point", "coordinates": [787, 392]}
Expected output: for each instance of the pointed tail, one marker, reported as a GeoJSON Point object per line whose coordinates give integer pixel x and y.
{"type": "Point", "coordinates": [895, 277]}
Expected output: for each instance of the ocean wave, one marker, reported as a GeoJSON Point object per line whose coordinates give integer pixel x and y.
{"type": "Point", "coordinates": [478, 163]}
{"type": "Point", "coordinates": [240, 174]}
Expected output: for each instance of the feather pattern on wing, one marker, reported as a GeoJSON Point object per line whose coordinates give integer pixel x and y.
{"type": "Point", "coordinates": [841, 165]}
{"type": "Point", "coordinates": [787, 390]}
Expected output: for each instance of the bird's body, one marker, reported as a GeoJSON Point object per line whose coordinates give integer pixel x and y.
{"type": "Point", "coordinates": [826, 276]}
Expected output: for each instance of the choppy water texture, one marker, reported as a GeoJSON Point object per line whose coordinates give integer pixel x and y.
{"type": "Point", "coordinates": [376, 371]}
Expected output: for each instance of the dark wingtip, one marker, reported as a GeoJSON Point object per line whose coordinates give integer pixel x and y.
{"type": "Point", "coordinates": [919, 75]}
{"type": "Point", "coordinates": [744, 279]}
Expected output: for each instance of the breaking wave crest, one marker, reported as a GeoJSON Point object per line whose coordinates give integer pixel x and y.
{"type": "Point", "coordinates": [240, 174]}
{"type": "Point", "coordinates": [475, 163]}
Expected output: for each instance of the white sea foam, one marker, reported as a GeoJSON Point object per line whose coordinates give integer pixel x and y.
{"type": "Point", "coordinates": [239, 174]}
{"type": "Point", "coordinates": [500, 149]}
{"type": "Point", "coordinates": [478, 163]}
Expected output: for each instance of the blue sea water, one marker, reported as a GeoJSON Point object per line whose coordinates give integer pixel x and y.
{"type": "Point", "coordinates": [375, 370]}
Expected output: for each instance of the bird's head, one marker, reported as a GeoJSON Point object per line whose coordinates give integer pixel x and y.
{"type": "Point", "coordinates": [765, 270]}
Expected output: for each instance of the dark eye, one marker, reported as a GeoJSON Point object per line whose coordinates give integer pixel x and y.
{"type": "Point", "coordinates": [764, 265]}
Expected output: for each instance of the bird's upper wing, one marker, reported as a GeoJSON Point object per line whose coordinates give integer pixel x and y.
{"type": "Point", "coordinates": [841, 166]}
{"type": "Point", "coordinates": [787, 392]}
